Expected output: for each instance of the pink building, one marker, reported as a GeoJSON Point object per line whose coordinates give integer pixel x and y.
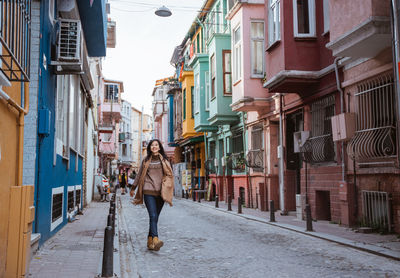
{"type": "Point", "coordinates": [160, 114]}
{"type": "Point", "coordinates": [109, 117]}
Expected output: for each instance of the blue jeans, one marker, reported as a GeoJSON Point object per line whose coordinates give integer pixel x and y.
{"type": "Point", "coordinates": [154, 206]}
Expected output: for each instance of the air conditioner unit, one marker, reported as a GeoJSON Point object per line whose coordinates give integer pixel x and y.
{"type": "Point", "coordinates": [343, 126]}
{"type": "Point", "coordinates": [69, 47]}
{"type": "Point", "coordinates": [299, 138]}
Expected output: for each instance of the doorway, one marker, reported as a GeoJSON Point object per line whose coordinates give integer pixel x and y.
{"type": "Point", "coordinates": [294, 123]}
{"type": "Point", "coordinates": [323, 205]}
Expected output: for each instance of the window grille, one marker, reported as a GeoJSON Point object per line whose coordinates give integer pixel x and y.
{"type": "Point", "coordinates": [70, 200]}
{"type": "Point", "coordinates": [236, 160]}
{"type": "Point", "coordinates": [57, 207]}
{"type": "Point", "coordinates": [111, 92]}
{"type": "Point", "coordinates": [78, 197]}
{"type": "Point", "coordinates": [375, 138]}
{"type": "Point", "coordinates": [320, 147]}
{"type": "Point", "coordinates": [255, 156]}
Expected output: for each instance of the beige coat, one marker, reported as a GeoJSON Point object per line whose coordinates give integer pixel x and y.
{"type": "Point", "coordinates": [167, 186]}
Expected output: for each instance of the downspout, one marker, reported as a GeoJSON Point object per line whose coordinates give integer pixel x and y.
{"type": "Point", "coordinates": [281, 164]}
{"type": "Point", "coordinates": [342, 110]}
{"type": "Point", "coordinates": [265, 165]}
{"type": "Point", "coordinates": [396, 65]}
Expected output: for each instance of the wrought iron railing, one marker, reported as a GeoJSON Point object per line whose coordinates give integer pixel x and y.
{"type": "Point", "coordinates": [255, 159]}
{"type": "Point", "coordinates": [237, 162]}
{"type": "Point", "coordinates": [376, 209]}
{"type": "Point", "coordinates": [318, 149]}
{"type": "Point", "coordinates": [15, 38]}
{"type": "Point", "coordinates": [375, 138]}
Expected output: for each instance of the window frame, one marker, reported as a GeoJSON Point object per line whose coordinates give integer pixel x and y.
{"type": "Point", "coordinates": [184, 104]}
{"type": "Point", "coordinates": [237, 54]}
{"type": "Point", "coordinates": [327, 22]}
{"type": "Point", "coordinates": [311, 20]}
{"type": "Point", "coordinates": [207, 89]}
{"type": "Point", "coordinates": [197, 92]}
{"type": "Point", "coordinates": [192, 101]}
{"type": "Point", "coordinates": [213, 76]}
{"type": "Point", "coordinates": [257, 39]}
{"type": "Point", "coordinates": [224, 72]}
{"type": "Point", "coordinates": [274, 26]}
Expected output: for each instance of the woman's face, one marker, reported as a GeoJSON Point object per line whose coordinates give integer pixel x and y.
{"type": "Point", "coordinates": [154, 147]}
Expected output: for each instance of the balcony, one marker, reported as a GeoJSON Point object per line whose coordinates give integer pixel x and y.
{"type": "Point", "coordinates": [15, 30]}
{"type": "Point", "coordinates": [365, 40]}
{"type": "Point", "coordinates": [113, 109]}
{"type": "Point", "coordinates": [107, 148]}
{"type": "Point", "coordinates": [106, 127]}
{"type": "Point", "coordinates": [111, 34]}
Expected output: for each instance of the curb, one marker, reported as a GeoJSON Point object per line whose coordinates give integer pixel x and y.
{"type": "Point", "coordinates": [376, 250]}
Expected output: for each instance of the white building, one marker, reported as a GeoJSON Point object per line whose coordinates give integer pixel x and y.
{"type": "Point", "coordinates": [125, 137]}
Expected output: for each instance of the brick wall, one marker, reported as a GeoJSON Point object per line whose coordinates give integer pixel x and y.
{"type": "Point", "coordinates": [30, 134]}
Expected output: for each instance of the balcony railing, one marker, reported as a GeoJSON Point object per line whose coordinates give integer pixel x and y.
{"type": "Point", "coordinates": [318, 149]}
{"type": "Point", "coordinates": [15, 34]}
{"type": "Point", "coordinates": [237, 162]}
{"type": "Point", "coordinates": [255, 159]}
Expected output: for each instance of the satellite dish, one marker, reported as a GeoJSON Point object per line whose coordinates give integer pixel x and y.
{"type": "Point", "coordinates": [163, 12]}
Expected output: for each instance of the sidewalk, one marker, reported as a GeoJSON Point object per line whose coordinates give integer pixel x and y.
{"type": "Point", "coordinates": [383, 245]}
{"type": "Point", "coordinates": [77, 249]}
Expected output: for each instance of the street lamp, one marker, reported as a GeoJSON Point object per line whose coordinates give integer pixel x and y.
{"type": "Point", "coordinates": [163, 12]}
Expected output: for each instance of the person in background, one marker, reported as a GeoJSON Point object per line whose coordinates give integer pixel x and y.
{"type": "Point", "coordinates": [155, 185]}
{"type": "Point", "coordinates": [123, 183]}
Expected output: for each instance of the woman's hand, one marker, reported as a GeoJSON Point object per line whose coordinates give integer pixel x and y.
{"type": "Point", "coordinates": [132, 193]}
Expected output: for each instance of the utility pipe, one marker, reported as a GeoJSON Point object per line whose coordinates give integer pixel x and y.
{"type": "Point", "coordinates": [281, 164]}
{"type": "Point", "coordinates": [342, 110]}
{"type": "Point", "coordinates": [396, 65]}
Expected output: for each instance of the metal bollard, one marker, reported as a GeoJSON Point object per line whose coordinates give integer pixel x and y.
{"type": "Point", "coordinates": [107, 269]}
{"type": "Point", "coordinates": [271, 211]}
{"type": "Point", "coordinates": [199, 196]}
{"type": "Point", "coordinates": [194, 196]}
{"type": "Point", "coordinates": [183, 193]}
{"type": "Point", "coordinates": [308, 218]}
{"type": "Point", "coordinates": [112, 210]}
{"type": "Point", "coordinates": [187, 195]}
{"type": "Point", "coordinates": [216, 201]}
{"type": "Point", "coordinates": [229, 203]}
{"type": "Point", "coordinates": [239, 205]}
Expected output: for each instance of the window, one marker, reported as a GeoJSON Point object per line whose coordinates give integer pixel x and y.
{"type": "Point", "coordinates": [375, 138]}
{"type": "Point", "coordinates": [192, 101]}
{"type": "Point", "coordinates": [111, 93]}
{"type": "Point", "coordinates": [257, 48]}
{"type": "Point", "coordinates": [106, 137]}
{"type": "Point", "coordinates": [56, 207]}
{"type": "Point", "coordinates": [213, 69]}
{"type": "Point", "coordinates": [63, 85]}
{"type": "Point", "coordinates": [255, 156]}
{"type": "Point", "coordinates": [304, 18]}
{"type": "Point", "coordinates": [52, 11]}
{"type": "Point", "coordinates": [207, 89]}
{"type": "Point", "coordinates": [184, 104]}
{"type": "Point", "coordinates": [274, 22]}
{"type": "Point", "coordinates": [197, 92]}
{"type": "Point", "coordinates": [237, 143]}
{"type": "Point", "coordinates": [320, 146]}
{"type": "Point", "coordinates": [237, 54]}
{"type": "Point", "coordinates": [326, 16]}
{"type": "Point", "coordinates": [226, 56]}
{"type": "Point", "coordinates": [72, 110]}
{"type": "Point", "coordinates": [124, 151]}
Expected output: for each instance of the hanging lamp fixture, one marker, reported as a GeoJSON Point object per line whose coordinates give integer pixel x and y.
{"type": "Point", "coordinates": [163, 12]}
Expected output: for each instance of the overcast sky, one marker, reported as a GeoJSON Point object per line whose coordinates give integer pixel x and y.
{"type": "Point", "coordinates": [145, 44]}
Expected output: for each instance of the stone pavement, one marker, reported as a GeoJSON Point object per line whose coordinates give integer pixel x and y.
{"type": "Point", "coordinates": [76, 250]}
{"type": "Point", "coordinates": [383, 245]}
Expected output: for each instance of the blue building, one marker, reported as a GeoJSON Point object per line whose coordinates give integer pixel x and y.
{"type": "Point", "coordinates": [71, 33]}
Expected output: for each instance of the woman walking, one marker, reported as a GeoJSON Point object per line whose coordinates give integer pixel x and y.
{"type": "Point", "coordinates": [155, 185]}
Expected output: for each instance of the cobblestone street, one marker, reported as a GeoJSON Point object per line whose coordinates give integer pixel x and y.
{"type": "Point", "coordinates": [202, 242]}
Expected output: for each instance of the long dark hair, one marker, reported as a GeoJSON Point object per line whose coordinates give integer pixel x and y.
{"type": "Point", "coordinates": [161, 151]}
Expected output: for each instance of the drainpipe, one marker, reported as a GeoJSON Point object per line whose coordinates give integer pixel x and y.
{"type": "Point", "coordinates": [265, 163]}
{"type": "Point", "coordinates": [396, 65]}
{"type": "Point", "coordinates": [281, 164]}
{"type": "Point", "coordinates": [342, 110]}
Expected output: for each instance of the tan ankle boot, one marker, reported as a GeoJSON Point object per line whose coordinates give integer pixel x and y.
{"type": "Point", "coordinates": [157, 243]}
{"type": "Point", "coordinates": [150, 244]}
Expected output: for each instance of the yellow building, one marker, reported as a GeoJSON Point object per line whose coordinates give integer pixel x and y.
{"type": "Point", "coordinates": [16, 200]}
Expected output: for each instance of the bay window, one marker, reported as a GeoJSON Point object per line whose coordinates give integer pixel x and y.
{"type": "Point", "coordinates": [207, 89]}
{"type": "Point", "coordinates": [213, 70]}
